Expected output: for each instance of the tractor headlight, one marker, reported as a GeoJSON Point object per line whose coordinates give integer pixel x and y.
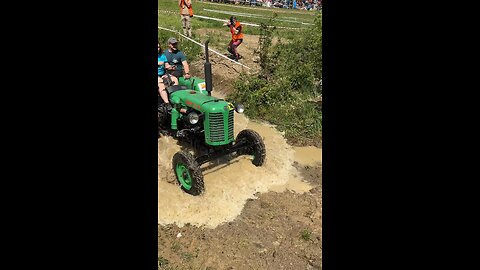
{"type": "Point", "coordinates": [193, 118]}
{"type": "Point", "coordinates": [239, 108]}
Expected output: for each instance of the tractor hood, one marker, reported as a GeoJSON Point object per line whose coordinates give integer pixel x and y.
{"type": "Point", "coordinates": [199, 101]}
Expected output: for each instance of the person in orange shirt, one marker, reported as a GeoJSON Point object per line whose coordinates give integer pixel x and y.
{"type": "Point", "coordinates": [186, 12]}
{"type": "Point", "coordinates": [237, 36]}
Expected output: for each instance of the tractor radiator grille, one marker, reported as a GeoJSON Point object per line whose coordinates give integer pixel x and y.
{"type": "Point", "coordinates": [217, 133]}
{"type": "Point", "coordinates": [230, 125]}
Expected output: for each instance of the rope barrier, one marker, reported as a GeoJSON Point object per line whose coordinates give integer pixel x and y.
{"type": "Point", "coordinates": [224, 20]}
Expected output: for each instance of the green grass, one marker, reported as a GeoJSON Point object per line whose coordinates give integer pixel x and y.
{"type": "Point", "coordinates": [208, 9]}
{"type": "Point", "coordinates": [168, 17]}
{"type": "Point", "coordinates": [187, 256]}
{"type": "Point", "coordinates": [176, 247]}
{"type": "Point", "coordinates": [162, 262]}
{"type": "Point", "coordinates": [306, 235]}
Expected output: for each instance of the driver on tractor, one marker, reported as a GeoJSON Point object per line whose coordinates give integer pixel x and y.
{"type": "Point", "coordinates": [177, 65]}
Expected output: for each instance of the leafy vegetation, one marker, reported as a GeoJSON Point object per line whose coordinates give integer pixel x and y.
{"type": "Point", "coordinates": [306, 235]}
{"type": "Point", "coordinates": [287, 90]}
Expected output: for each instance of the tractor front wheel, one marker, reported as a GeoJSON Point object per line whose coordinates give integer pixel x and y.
{"type": "Point", "coordinates": [188, 173]}
{"type": "Point", "coordinates": [254, 146]}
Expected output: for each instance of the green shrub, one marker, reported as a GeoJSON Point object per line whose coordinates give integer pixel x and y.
{"type": "Point", "coordinates": [287, 89]}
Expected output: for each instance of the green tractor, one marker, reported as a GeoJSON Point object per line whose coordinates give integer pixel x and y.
{"type": "Point", "coordinates": [206, 124]}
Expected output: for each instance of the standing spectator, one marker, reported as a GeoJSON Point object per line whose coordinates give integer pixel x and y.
{"type": "Point", "coordinates": [237, 36]}
{"type": "Point", "coordinates": [186, 12]}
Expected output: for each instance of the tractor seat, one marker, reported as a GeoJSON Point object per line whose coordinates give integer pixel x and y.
{"type": "Point", "coordinates": [175, 88]}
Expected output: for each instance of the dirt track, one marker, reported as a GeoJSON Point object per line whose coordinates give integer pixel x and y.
{"type": "Point", "coordinates": [280, 228]}
{"type": "Point", "coordinates": [224, 71]}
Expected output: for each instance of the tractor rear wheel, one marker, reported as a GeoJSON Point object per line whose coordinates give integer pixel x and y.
{"type": "Point", "coordinates": [188, 173]}
{"type": "Point", "coordinates": [255, 146]}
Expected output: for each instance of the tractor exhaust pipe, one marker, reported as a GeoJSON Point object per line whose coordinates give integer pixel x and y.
{"type": "Point", "coordinates": [208, 70]}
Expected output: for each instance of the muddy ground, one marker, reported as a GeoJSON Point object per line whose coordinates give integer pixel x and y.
{"type": "Point", "coordinates": [278, 229]}
{"type": "Point", "coordinates": [275, 231]}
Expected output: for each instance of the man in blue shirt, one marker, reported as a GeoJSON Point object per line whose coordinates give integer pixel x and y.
{"type": "Point", "coordinates": [176, 65]}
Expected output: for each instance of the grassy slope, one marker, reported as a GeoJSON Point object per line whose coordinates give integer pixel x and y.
{"type": "Point", "coordinates": [168, 17]}
{"type": "Point", "coordinates": [165, 18]}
